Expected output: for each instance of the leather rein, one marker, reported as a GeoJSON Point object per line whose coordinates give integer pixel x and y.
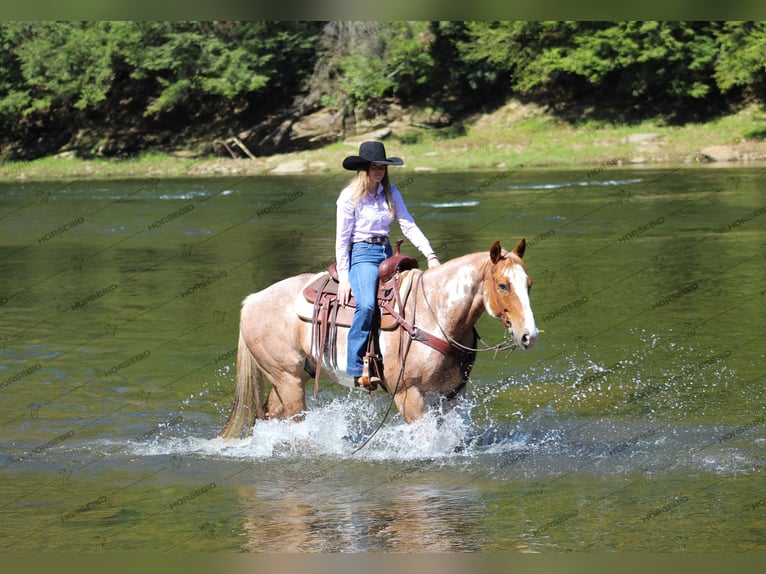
{"type": "Point", "coordinates": [502, 316]}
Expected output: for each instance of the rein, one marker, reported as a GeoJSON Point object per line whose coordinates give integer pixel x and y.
{"type": "Point", "coordinates": [504, 346]}
{"type": "Point", "coordinates": [415, 332]}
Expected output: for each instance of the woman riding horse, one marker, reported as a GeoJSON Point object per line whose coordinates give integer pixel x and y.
{"type": "Point", "coordinates": [439, 313]}
{"type": "Point", "coordinates": [366, 208]}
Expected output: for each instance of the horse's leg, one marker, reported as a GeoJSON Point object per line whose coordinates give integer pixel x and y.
{"type": "Point", "coordinates": [279, 340]}
{"type": "Point", "coordinates": [288, 399]}
{"type": "Point", "coordinates": [410, 403]}
{"type": "Point", "coordinates": [271, 349]}
{"type": "Point", "coordinates": [274, 407]}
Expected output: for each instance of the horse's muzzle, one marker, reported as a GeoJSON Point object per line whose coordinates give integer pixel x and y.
{"type": "Point", "coordinates": [528, 339]}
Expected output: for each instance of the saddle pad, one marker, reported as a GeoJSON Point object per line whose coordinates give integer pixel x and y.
{"type": "Point", "coordinates": [305, 309]}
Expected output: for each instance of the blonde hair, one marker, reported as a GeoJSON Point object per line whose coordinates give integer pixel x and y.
{"type": "Point", "coordinates": [361, 184]}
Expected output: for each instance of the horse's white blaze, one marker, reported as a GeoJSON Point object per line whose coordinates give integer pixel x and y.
{"type": "Point", "coordinates": [518, 280]}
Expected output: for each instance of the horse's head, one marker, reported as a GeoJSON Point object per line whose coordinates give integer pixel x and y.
{"type": "Point", "coordinates": [506, 287]}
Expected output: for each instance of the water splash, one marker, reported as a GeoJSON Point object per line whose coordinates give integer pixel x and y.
{"type": "Point", "coordinates": [638, 410]}
{"type": "Point", "coordinates": [352, 425]}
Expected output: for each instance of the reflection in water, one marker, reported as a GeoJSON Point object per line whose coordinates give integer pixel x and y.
{"type": "Point", "coordinates": [331, 518]}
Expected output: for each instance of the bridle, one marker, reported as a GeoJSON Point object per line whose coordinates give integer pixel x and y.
{"type": "Point", "coordinates": [506, 345]}
{"type": "Point", "coordinates": [494, 294]}
{"type": "Point", "coordinates": [446, 344]}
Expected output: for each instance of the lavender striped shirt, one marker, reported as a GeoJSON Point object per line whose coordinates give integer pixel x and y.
{"type": "Point", "coordinates": [369, 218]}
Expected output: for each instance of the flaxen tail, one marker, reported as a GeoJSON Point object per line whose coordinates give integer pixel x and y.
{"type": "Point", "coordinates": [248, 402]}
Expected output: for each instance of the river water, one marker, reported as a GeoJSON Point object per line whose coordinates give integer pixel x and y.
{"type": "Point", "coordinates": [636, 423]}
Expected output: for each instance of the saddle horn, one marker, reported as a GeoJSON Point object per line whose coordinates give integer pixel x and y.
{"type": "Point", "coordinates": [397, 262]}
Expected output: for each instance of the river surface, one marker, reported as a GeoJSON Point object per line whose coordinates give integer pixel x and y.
{"type": "Point", "coordinates": [636, 423]}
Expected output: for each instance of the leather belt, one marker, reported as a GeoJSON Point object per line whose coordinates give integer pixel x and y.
{"type": "Point", "coordinates": [377, 240]}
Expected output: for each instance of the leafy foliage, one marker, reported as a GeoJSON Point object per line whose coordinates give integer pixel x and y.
{"type": "Point", "coordinates": [364, 61]}
{"type": "Point", "coordinates": [56, 62]}
{"type": "Point", "coordinates": [742, 54]}
{"type": "Point", "coordinates": [651, 59]}
{"type": "Point", "coordinates": [55, 75]}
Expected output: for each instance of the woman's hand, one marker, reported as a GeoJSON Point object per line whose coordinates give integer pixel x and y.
{"type": "Point", "coordinates": [344, 292]}
{"type": "Point", "coordinates": [433, 261]}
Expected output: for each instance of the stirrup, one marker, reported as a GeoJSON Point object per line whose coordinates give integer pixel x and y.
{"type": "Point", "coordinates": [367, 383]}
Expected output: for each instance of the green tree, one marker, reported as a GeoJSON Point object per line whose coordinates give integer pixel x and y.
{"type": "Point", "coordinates": [14, 96]}
{"type": "Point", "coordinates": [649, 60]}
{"type": "Point", "coordinates": [60, 63]}
{"type": "Point", "coordinates": [363, 61]}
{"type": "Point", "coordinates": [60, 80]}
{"type": "Point", "coordinates": [56, 77]}
{"type": "Point", "coordinates": [189, 60]}
{"type": "Point", "coordinates": [742, 55]}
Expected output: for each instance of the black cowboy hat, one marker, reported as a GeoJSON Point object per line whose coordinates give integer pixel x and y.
{"type": "Point", "coordinates": [370, 152]}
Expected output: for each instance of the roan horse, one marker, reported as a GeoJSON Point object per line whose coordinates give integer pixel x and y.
{"type": "Point", "coordinates": [434, 354]}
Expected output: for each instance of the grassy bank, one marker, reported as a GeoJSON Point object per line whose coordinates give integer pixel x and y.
{"type": "Point", "coordinates": [513, 135]}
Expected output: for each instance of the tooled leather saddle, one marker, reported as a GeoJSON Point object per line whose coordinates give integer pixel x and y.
{"type": "Point", "coordinates": [327, 314]}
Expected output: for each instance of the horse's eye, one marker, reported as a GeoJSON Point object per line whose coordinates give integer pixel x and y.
{"type": "Point", "coordinates": [502, 287]}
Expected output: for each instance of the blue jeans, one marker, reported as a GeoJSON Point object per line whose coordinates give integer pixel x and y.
{"type": "Point", "coordinates": [363, 276]}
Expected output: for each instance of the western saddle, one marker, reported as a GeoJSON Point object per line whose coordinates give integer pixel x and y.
{"type": "Point", "coordinates": [327, 314]}
{"type": "Point", "coordinates": [395, 278]}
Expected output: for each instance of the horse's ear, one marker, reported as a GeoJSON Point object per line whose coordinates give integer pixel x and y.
{"type": "Point", "coordinates": [495, 252]}
{"type": "Point", "coordinates": [521, 248]}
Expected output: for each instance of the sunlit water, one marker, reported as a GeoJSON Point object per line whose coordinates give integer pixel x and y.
{"type": "Point", "coordinates": [635, 424]}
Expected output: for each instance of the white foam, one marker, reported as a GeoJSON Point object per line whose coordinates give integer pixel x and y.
{"type": "Point", "coordinates": [349, 426]}
{"type": "Point", "coordinates": [184, 195]}
{"type": "Point", "coordinates": [449, 204]}
{"type": "Point", "coordinates": [590, 183]}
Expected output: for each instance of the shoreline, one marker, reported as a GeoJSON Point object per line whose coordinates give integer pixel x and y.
{"type": "Point", "coordinates": [171, 168]}
{"type": "Point", "coordinates": [511, 137]}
